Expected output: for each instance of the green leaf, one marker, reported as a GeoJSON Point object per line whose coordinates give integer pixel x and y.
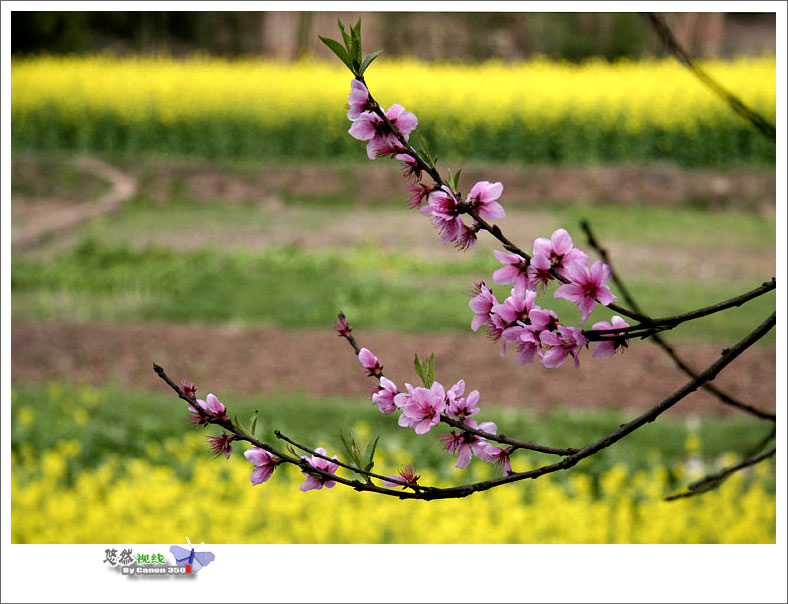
{"type": "Point", "coordinates": [254, 423]}
{"type": "Point", "coordinates": [351, 447]}
{"type": "Point", "coordinates": [457, 179]}
{"type": "Point", "coordinates": [345, 36]}
{"type": "Point", "coordinates": [425, 372]}
{"type": "Point", "coordinates": [369, 454]}
{"type": "Point", "coordinates": [368, 59]}
{"type": "Point", "coordinates": [356, 37]}
{"type": "Point", "coordinates": [337, 49]}
{"type": "Point", "coordinates": [239, 425]}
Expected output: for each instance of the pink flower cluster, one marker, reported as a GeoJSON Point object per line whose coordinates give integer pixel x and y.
{"type": "Point", "coordinates": [442, 203]}
{"type": "Point", "coordinates": [369, 126]}
{"type": "Point", "coordinates": [421, 409]}
{"type": "Point", "coordinates": [213, 410]}
{"type": "Point", "coordinates": [446, 211]}
{"type": "Point", "coordinates": [536, 331]}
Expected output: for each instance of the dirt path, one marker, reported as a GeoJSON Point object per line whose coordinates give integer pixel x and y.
{"type": "Point", "coordinates": [51, 216]}
{"type": "Point", "coordinates": [267, 360]}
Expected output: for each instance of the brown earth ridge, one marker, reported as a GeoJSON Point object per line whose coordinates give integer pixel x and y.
{"type": "Point", "coordinates": [265, 360]}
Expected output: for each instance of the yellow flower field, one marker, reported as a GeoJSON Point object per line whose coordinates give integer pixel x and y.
{"type": "Point", "coordinates": [528, 108]}
{"type": "Point", "coordinates": [153, 501]}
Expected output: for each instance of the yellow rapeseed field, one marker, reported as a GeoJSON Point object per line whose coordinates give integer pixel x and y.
{"type": "Point", "coordinates": [154, 500]}
{"type": "Point", "coordinates": [88, 99]}
{"type": "Point", "coordinates": [657, 91]}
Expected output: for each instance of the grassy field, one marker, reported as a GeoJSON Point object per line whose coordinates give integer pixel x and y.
{"type": "Point", "coordinates": [194, 261]}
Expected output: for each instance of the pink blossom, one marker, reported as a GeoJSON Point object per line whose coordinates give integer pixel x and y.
{"type": "Point", "coordinates": [587, 286]}
{"type": "Point", "coordinates": [418, 193]}
{"type": "Point", "coordinates": [568, 341]}
{"type": "Point", "coordinates": [358, 101]}
{"type": "Point", "coordinates": [189, 388]}
{"type": "Point", "coordinates": [265, 462]}
{"type": "Point", "coordinates": [221, 444]}
{"type": "Point", "coordinates": [605, 348]}
{"type": "Point", "coordinates": [465, 443]}
{"type": "Point", "coordinates": [543, 319]}
{"type": "Point", "coordinates": [513, 314]}
{"type": "Point", "coordinates": [538, 272]}
{"type": "Point", "coordinates": [559, 251]}
{"type": "Point", "coordinates": [482, 302]}
{"type": "Point", "coordinates": [525, 337]}
{"type": "Point", "coordinates": [406, 473]}
{"type": "Point", "coordinates": [459, 406]}
{"type": "Point", "coordinates": [341, 326]}
{"type": "Point", "coordinates": [410, 167]}
{"type": "Point", "coordinates": [515, 308]}
{"type": "Point", "coordinates": [445, 212]}
{"type": "Point", "coordinates": [422, 408]}
{"type": "Point", "coordinates": [498, 457]}
{"type": "Point", "coordinates": [318, 482]}
{"type": "Point", "coordinates": [382, 141]}
{"type": "Point", "coordinates": [370, 363]}
{"type": "Point", "coordinates": [514, 270]}
{"type": "Point", "coordinates": [384, 397]}
{"type": "Point", "coordinates": [213, 408]}
{"type": "Point", "coordinates": [466, 238]}
{"type": "Point", "coordinates": [482, 198]}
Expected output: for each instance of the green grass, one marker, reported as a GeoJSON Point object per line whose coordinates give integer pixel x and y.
{"type": "Point", "coordinates": [294, 287]}
{"type": "Point", "coordinates": [112, 421]}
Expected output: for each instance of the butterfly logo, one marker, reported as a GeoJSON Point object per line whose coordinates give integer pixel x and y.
{"type": "Point", "coordinates": [193, 561]}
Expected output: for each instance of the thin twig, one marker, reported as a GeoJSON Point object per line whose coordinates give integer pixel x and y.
{"type": "Point", "coordinates": [722, 396]}
{"type": "Point", "coordinates": [669, 41]}
{"type": "Point", "coordinates": [499, 438]}
{"type": "Point", "coordinates": [713, 481]}
{"type": "Point", "coordinates": [664, 323]}
{"type": "Point", "coordinates": [432, 493]}
{"type": "Point", "coordinates": [352, 468]}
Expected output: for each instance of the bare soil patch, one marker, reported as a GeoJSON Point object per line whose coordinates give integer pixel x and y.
{"type": "Point", "coordinates": [261, 361]}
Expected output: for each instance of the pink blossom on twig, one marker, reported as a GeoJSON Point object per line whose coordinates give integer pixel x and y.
{"type": "Point", "coordinates": [605, 348]}
{"type": "Point", "coordinates": [384, 397]}
{"type": "Point", "coordinates": [370, 363]}
{"type": "Point", "coordinates": [358, 102]}
{"type": "Point", "coordinates": [568, 341]}
{"type": "Point", "coordinates": [221, 444]}
{"type": "Point", "coordinates": [406, 473]}
{"type": "Point", "coordinates": [381, 139]}
{"type": "Point", "coordinates": [318, 482]}
{"type": "Point", "coordinates": [559, 251]}
{"type": "Point", "coordinates": [514, 271]}
{"type": "Point", "coordinates": [213, 409]}
{"type": "Point", "coordinates": [459, 406]}
{"type": "Point", "coordinates": [422, 408]}
{"type": "Point", "coordinates": [586, 287]}
{"type": "Point", "coordinates": [483, 198]}
{"type": "Point", "coordinates": [265, 462]}
{"type": "Point", "coordinates": [465, 443]}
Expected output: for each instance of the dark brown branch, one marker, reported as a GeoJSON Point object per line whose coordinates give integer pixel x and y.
{"type": "Point", "coordinates": [673, 47]}
{"type": "Point", "coordinates": [431, 493]}
{"type": "Point", "coordinates": [499, 438]}
{"type": "Point", "coordinates": [655, 325]}
{"type": "Point", "coordinates": [713, 481]}
{"type": "Point", "coordinates": [722, 396]}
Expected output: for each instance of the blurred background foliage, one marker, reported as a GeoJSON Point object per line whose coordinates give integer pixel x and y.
{"type": "Point", "coordinates": [430, 36]}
